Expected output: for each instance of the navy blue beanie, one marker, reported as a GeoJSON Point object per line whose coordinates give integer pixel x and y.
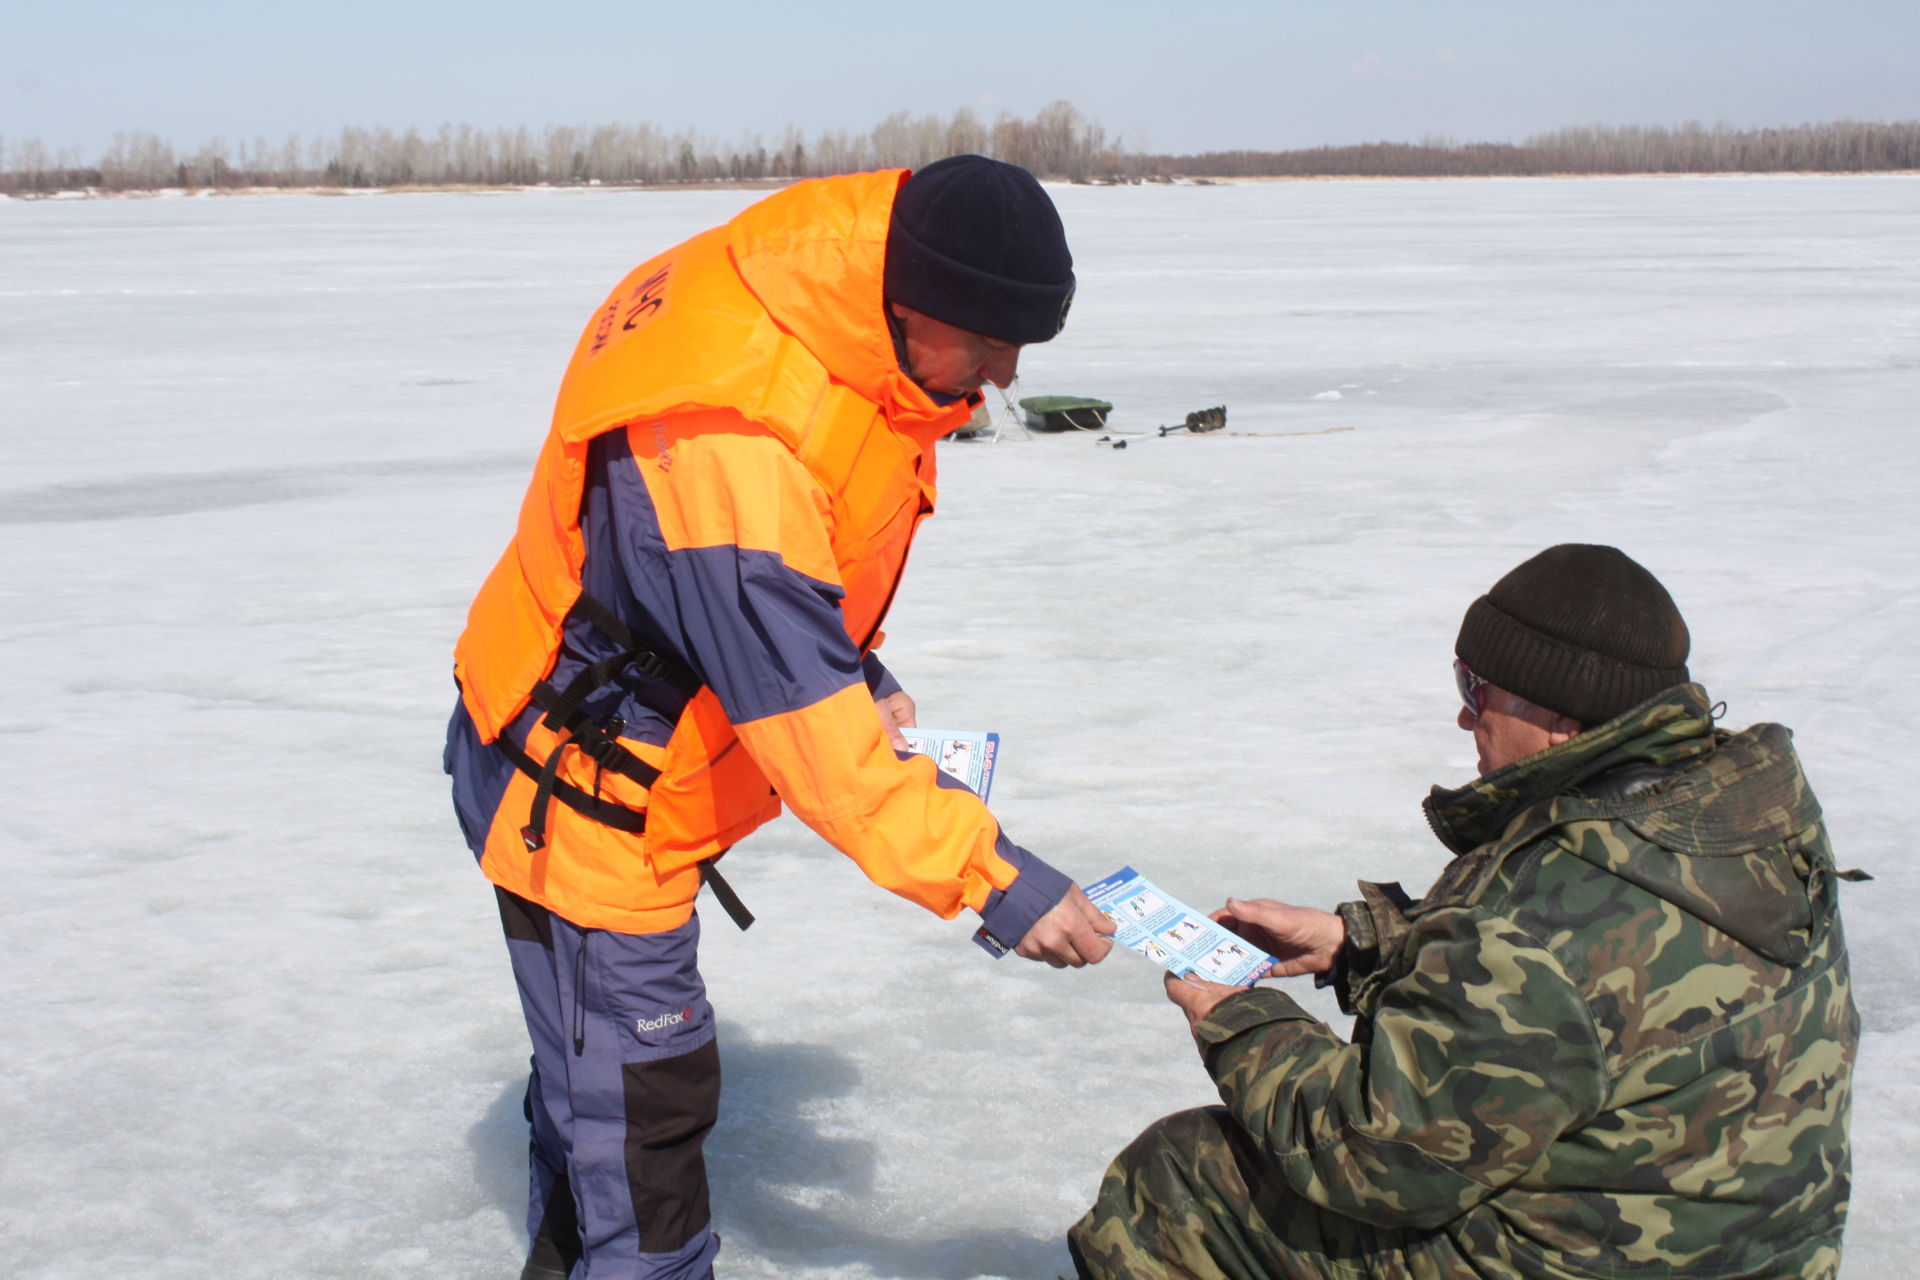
{"type": "Point", "coordinates": [976, 243]}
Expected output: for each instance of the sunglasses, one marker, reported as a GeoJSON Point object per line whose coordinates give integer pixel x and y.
{"type": "Point", "coordinates": [1473, 688]}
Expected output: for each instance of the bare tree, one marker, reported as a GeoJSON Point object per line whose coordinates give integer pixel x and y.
{"type": "Point", "coordinates": [965, 134]}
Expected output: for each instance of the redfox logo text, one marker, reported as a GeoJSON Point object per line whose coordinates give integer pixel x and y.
{"type": "Point", "coordinates": [673, 1019]}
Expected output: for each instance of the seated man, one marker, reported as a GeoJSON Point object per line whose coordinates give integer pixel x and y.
{"type": "Point", "coordinates": [1615, 1038]}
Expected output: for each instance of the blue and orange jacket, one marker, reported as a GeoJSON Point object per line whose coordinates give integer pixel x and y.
{"type": "Point", "coordinates": [736, 468]}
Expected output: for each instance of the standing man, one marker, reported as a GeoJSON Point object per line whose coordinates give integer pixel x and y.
{"type": "Point", "coordinates": [1615, 1038]}
{"type": "Point", "coordinates": [680, 637]}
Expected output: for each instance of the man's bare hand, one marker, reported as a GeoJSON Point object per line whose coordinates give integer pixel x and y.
{"type": "Point", "coordinates": [1302, 939]}
{"type": "Point", "coordinates": [1073, 934]}
{"type": "Point", "coordinates": [1196, 997]}
{"type": "Point", "coordinates": [896, 712]}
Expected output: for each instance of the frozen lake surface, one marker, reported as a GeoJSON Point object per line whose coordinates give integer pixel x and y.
{"type": "Point", "coordinates": [256, 454]}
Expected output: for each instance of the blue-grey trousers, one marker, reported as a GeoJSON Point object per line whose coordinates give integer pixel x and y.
{"type": "Point", "coordinates": [624, 1088]}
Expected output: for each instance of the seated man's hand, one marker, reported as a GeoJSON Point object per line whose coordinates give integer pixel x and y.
{"type": "Point", "coordinates": [1302, 939]}
{"type": "Point", "coordinates": [896, 712]}
{"type": "Point", "coordinates": [1073, 934]}
{"type": "Point", "coordinates": [1196, 997]}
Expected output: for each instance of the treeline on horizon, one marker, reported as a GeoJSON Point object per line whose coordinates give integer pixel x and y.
{"type": "Point", "coordinates": [1057, 142]}
{"type": "Point", "coordinates": [1844, 146]}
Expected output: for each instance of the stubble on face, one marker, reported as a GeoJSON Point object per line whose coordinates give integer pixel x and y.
{"type": "Point", "coordinates": [950, 361]}
{"type": "Point", "coordinates": [1509, 729]}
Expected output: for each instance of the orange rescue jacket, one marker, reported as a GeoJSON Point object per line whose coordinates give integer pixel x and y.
{"type": "Point", "coordinates": [754, 374]}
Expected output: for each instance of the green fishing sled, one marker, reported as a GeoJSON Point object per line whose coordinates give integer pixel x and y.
{"type": "Point", "coordinates": [1065, 413]}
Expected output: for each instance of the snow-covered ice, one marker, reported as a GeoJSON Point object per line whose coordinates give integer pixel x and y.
{"type": "Point", "coordinates": [256, 454]}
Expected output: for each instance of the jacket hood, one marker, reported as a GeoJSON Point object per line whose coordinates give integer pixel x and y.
{"type": "Point", "coordinates": [766, 315]}
{"type": "Point", "coordinates": [814, 255]}
{"type": "Point", "coordinates": [1730, 833]}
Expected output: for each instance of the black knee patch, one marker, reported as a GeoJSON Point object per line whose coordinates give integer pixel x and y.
{"type": "Point", "coordinates": [671, 1106]}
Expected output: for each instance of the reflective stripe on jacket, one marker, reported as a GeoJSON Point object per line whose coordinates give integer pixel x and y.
{"type": "Point", "coordinates": [737, 466]}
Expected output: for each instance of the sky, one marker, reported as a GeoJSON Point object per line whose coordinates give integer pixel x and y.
{"type": "Point", "coordinates": [1162, 77]}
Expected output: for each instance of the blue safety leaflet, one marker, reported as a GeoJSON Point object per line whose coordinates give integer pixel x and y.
{"type": "Point", "coordinates": [966, 754]}
{"type": "Point", "coordinates": [1174, 935]}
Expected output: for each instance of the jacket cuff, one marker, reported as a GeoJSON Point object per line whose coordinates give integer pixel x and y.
{"type": "Point", "coordinates": [880, 681]}
{"type": "Point", "coordinates": [1245, 1010]}
{"type": "Point", "coordinates": [1008, 913]}
{"type": "Point", "coordinates": [1375, 926]}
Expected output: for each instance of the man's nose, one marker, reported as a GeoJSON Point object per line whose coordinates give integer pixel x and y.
{"type": "Point", "coordinates": [1465, 719]}
{"type": "Point", "coordinates": [1001, 365]}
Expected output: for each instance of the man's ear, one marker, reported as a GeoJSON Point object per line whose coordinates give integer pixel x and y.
{"type": "Point", "coordinates": [1562, 728]}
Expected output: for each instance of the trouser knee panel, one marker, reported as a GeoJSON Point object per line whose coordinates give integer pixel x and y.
{"type": "Point", "coordinates": [671, 1106]}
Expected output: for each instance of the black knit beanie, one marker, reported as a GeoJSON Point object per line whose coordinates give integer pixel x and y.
{"type": "Point", "coordinates": [976, 243]}
{"type": "Point", "coordinates": [1578, 629]}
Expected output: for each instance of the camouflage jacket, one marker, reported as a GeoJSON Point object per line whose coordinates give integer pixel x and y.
{"type": "Point", "coordinates": [1615, 1038]}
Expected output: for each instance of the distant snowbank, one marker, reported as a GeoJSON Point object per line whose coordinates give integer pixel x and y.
{"type": "Point", "coordinates": [469, 188]}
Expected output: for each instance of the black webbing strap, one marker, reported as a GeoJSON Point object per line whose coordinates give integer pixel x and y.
{"type": "Point", "coordinates": [604, 749]}
{"type": "Point", "coordinates": [534, 834]}
{"type": "Point", "coordinates": [605, 812]}
{"type": "Point", "coordinates": [649, 661]}
{"type": "Point", "coordinates": [563, 706]}
{"type": "Point", "coordinates": [729, 900]}
{"type": "Point", "coordinates": [601, 743]}
{"type": "Point", "coordinates": [597, 742]}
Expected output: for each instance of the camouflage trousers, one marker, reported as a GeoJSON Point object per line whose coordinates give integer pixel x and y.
{"type": "Point", "coordinates": [1192, 1198]}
